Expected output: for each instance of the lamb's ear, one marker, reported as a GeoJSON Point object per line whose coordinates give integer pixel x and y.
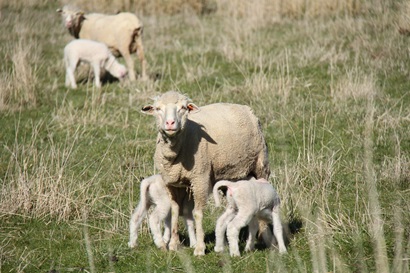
{"type": "Point", "coordinates": [148, 109]}
{"type": "Point", "coordinates": [192, 108]}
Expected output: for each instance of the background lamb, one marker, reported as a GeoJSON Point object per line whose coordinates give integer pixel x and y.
{"type": "Point", "coordinates": [154, 193]}
{"type": "Point", "coordinates": [122, 33]}
{"type": "Point", "coordinates": [96, 54]}
{"type": "Point", "coordinates": [197, 147]}
{"type": "Point", "coordinates": [248, 202]}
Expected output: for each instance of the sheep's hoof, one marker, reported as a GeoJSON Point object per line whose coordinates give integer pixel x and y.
{"type": "Point", "coordinates": [163, 248]}
{"type": "Point", "coordinates": [235, 254]}
{"type": "Point", "coordinates": [283, 251]}
{"type": "Point", "coordinates": [249, 249]}
{"type": "Point", "coordinates": [173, 246]}
{"type": "Point", "coordinates": [218, 249]}
{"type": "Point", "coordinates": [199, 251]}
{"type": "Point", "coordinates": [132, 244]}
{"type": "Point", "coordinates": [144, 78]}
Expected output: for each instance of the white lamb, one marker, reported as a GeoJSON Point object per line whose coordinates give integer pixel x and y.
{"type": "Point", "coordinates": [153, 193]}
{"type": "Point", "coordinates": [248, 201]}
{"type": "Point", "coordinates": [96, 54]}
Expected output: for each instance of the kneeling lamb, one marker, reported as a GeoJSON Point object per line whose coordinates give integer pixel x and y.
{"type": "Point", "coordinates": [154, 193]}
{"type": "Point", "coordinates": [248, 202]}
{"type": "Point", "coordinates": [96, 54]}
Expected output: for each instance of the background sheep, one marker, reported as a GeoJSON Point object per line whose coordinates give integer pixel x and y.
{"type": "Point", "coordinates": [122, 33]}
{"type": "Point", "coordinates": [197, 147]}
{"type": "Point", "coordinates": [96, 54]}
{"type": "Point", "coordinates": [248, 202]}
{"type": "Point", "coordinates": [154, 193]}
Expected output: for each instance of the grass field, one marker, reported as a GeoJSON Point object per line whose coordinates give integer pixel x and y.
{"type": "Point", "coordinates": [329, 82]}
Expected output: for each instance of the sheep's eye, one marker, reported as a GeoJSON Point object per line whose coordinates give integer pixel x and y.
{"type": "Point", "coordinates": [158, 109]}
{"type": "Point", "coordinates": [183, 108]}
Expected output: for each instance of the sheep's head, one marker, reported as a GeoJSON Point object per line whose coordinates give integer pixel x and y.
{"type": "Point", "coordinates": [72, 18]}
{"type": "Point", "coordinates": [171, 111]}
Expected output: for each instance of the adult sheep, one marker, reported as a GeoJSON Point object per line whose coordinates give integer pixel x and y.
{"type": "Point", "coordinates": [198, 146]}
{"type": "Point", "coordinates": [122, 33]}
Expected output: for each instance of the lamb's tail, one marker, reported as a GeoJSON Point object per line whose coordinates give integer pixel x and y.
{"type": "Point", "coordinates": [143, 205]}
{"type": "Point", "coordinates": [222, 183]}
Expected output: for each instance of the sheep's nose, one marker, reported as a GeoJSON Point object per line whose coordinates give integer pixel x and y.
{"type": "Point", "coordinates": [170, 122]}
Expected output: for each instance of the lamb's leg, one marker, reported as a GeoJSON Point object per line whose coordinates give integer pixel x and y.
{"type": "Point", "coordinates": [241, 219]}
{"type": "Point", "coordinates": [167, 228]}
{"type": "Point", "coordinates": [253, 229]}
{"type": "Point", "coordinates": [220, 228]}
{"type": "Point", "coordinates": [189, 221]}
{"type": "Point", "coordinates": [69, 76]}
{"type": "Point", "coordinates": [97, 71]}
{"type": "Point", "coordinates": [277, 229]}
{"type": "Point", "coordinates": [174, 242]}
{"type": "Point", "coordinates": [135, 221]}
{"type": "Point", "coordinates": [155, 219]}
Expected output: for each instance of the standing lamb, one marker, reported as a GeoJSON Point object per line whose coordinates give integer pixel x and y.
{"type": "Point", "coordinates": [96, 54]}
{"type": "Point", "coordinates": [198, 146]}
{"type": "Point", "coordinates": [122, 33]}
{"type": "Point", "coordinates": [248, 202]}
{"type": "Point", "coordinates": [153, 193]}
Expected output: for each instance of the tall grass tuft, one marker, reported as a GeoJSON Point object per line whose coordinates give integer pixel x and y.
{"type": "Point", "coordinates": [17, 88]}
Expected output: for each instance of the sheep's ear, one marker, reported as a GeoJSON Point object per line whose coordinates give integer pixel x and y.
{"type": "Point", "coordinates": [148, 109]}
{"type": "Point", "coordinates": [59, 11]}
{"type": "Point", "coordinates": [79, 13]}
{"type": "Point", "coordinates": [192, 107]}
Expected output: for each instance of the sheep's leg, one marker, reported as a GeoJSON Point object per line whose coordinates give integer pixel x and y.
{"type": "Point", "coordinates": [130, 64]}
{"type": "Point", "coordinates": [220, 228]}
{"type": "Point", "coordinates": [253, 229]}
{"type": "Point", "coordinates": [189, 221]}
{"type": "Point", "coordinates": [200, 192]}
{"type": "Point", "coordinates": [200, 234]}
{"type": "Point", "coordinates": [135, 221]}
{"type": "Point", "coordinates": [157, 215]}
{"type": "Point", "coordinates": [241, 219]}
{"type": "Point", "coordinates": [141, 57]}
{"type": "Point", "coordinates": [277, 229]}
{"type": "Point", "coordinates": [174, 242]}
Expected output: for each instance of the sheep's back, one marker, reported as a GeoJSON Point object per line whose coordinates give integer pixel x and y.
{"type": "Point", "coordinates": [110, 29]}
{"type": "Point", "coordinates": [231, 138]}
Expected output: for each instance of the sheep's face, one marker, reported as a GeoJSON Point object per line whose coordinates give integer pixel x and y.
{"type": "Point", "coordinates": [171, 111]}
{"type": "Point", "coordinates": [70, 16]}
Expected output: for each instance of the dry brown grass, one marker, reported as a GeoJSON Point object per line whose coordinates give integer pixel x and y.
{"type": "Point", "coordinates": [259, 11]}
{"type": "Point", "coordinates": [17, 88]}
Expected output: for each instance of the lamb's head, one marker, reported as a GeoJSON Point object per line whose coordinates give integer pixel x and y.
{"type": "Point", "coordinates": [72, 18]}
{"type": "Point", "coordinates": [117, 70]}
{"type": "Point", "coordinates": [171, 111]}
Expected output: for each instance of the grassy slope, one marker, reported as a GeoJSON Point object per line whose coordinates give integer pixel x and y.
{"type": "Point", "coordinates": [71, 160]}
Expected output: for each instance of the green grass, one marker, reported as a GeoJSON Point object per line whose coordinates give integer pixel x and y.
{"type": "Point", "coordinates": [332, 94]}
